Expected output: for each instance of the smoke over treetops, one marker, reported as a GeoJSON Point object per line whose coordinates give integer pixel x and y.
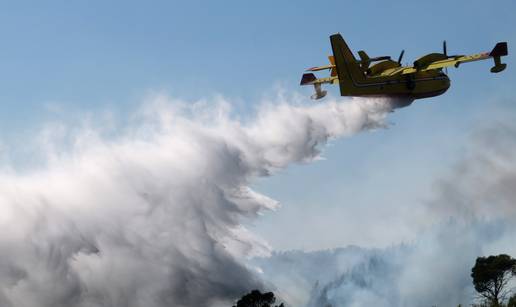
{"type": "Point", "coordinates": [474, 207]}
{"type": "Point", "coordinates": [153, 216]}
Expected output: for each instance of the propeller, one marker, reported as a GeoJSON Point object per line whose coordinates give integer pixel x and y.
{"type": "Point", "coordinates": [445, 52]}
{"type": "Point", "coordinates": [380, 58]}
{"type": "Point", "coordinates": [401, 56]}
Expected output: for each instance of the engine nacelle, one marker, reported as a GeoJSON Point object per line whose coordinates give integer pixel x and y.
{"type": "Point", "coordinates": [428, 59]}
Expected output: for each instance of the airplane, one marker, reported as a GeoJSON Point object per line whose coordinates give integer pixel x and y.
{"type": "Point", "coordinates": [388, 78]}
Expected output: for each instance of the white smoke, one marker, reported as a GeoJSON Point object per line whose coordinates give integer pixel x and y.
{"type": "Point", "coordinates": [153, 216]}
{"type": "Point", "coordinates": [482, 184]}
{"type": "Point", "coordinates": [475, 213]}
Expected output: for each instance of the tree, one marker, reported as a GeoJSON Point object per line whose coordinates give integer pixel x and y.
{"type": "Point", "coordinates": [491, 276]}
{"type": "Point", "coordinates": [512, 301]}
{"type": "Point", "coordinates": [257, 299]}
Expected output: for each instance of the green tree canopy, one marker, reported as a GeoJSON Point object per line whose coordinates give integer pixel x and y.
{"type": "Point", "coordinates": [512, 301]}
{"type": "Point", "coordinates": [257, 299]}
{"type": "Point", "coordinates": [491, 276]}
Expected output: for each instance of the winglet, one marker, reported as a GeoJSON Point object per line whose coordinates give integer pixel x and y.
{"type": "Point", "coordinates": [307, 79]}
{"type": "Point", "coordinates": [498, 51]}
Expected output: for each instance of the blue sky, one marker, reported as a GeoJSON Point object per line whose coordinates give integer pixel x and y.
{"type": "Point", "coordinates": [97, 55]}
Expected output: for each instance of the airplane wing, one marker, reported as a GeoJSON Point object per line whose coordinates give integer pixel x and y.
{"type": "Point", "coordinates": [498, 51]}
{"type": "Point", "coordinates": [310, 79]}
{"type": "Point", "coordinates": [320, 68]}
{"type": "Point", "coordinates": [332, 66]}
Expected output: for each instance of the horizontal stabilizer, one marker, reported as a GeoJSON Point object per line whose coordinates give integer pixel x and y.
{"type": "Point", "coordinates": [307, 79]}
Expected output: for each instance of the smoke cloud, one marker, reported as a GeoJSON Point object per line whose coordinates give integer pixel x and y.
{"type": "Point", "coordinates": [482, 184]}
{"type": "Point", "coordinates": [153, 216]}
{"type": "Point", "coordinates": [474, 209]}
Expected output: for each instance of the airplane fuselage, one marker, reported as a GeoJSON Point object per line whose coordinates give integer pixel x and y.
{"type": "Point", "coordinates": [413, 86]}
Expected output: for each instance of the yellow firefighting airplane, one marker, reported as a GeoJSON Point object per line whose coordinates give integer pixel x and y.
{"type": "Point", "coordinates": [389, 78]}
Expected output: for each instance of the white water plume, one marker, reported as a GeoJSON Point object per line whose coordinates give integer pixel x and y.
{"type": "Point", "coordinates": [153, 217]}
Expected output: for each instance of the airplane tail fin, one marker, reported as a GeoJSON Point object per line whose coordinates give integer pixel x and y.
{"type": "Point", "coordinates": [348, 69]}
{"type": "Point", "coordinates": [498, 51]}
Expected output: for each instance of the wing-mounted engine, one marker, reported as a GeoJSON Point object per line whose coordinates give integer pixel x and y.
{"type": "Point", "coordinates": [431, 58]}
{"type": "Point", "coordinates": [378, 68]}
{"type": "Point", "coordinates": [384, 63]}
{"type": "Point", "coordinates": [428, 59]}
{"type": "Point", "coordinates": [365, 60]}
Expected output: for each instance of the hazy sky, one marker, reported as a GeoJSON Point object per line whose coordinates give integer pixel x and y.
{"type": "Point", "coordinates": [61, 58]}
